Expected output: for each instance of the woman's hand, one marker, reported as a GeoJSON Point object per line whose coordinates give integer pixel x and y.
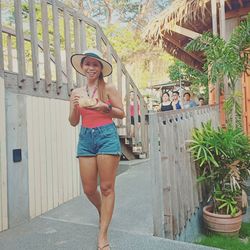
{"type": "Point", "coordinates": [74, 115]}
{"type": "Point", "coordinates": [75, 101]}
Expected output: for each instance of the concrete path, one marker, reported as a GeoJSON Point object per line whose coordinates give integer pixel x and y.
{"type": "Point", "coordinates": [74, 225]}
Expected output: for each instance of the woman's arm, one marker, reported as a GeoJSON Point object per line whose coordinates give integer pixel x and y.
{"type": "Point", "coordinates": [113, 95]}
{"type": "Point", "coordinates": [74, 114]}
{"type": "Point", "coordinates": [115, 98]}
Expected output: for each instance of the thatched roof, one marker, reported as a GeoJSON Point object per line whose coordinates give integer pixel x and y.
{"type": "Point", "coordinates": [180, 11]}
{"type": "Point", "coordinates": [195, 17]}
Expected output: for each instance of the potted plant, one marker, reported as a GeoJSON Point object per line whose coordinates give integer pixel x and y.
{"type": "Point", "coordinates": [223, 160]}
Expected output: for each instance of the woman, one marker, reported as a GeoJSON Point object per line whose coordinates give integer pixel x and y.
{"type": "Point", "coordinates": [98, 148]}
{"type": "Point", "coordinates": [166, 104]}
{"type": "Point", "coordinates": [132, 112]}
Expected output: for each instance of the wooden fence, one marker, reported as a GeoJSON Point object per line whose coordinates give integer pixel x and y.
{"type": "Point", "coordinates": [39, 51]}
{"type": "Point", "coordinates": [176, 193]}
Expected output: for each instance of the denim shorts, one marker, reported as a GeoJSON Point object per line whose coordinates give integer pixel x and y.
{"type": "Point", "coordinates": [103, 140]}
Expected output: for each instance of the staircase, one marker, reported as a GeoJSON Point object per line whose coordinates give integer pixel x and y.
{"type": "Point", "coordinates": [48, 72]}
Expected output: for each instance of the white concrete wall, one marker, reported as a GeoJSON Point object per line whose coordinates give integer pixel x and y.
{"type": "Point", "coordinates": [48, 173]}
{"type": "Point", "coordinates": [3, 162]}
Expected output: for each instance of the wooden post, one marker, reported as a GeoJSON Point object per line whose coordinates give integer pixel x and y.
{"type": "Point", "coordinates": [156, 177]}
{"type": "Point", "coordinates": [214, 89]}
{"type": "Point", "coordinates": [128, 115]}
{"type": "Point", "coordinates": [136, 129]}
{"type": "Point", "coordinates": [109, 57]}
{"type": "Point", "coordinates": [98, 39]}
{"type": "Point", "coordinates": [68, 52]}
{"type": "Point", "coordinates": [19, 42]}
{"type": "Point", "coordinates": [34, 44]}
{"type": "Point", "coordinates": [222, 19]}
{"type": "Point", "coordinates": [225, 92]}
{"type": "Point", "coordinates": [119, 83]}
{"type": "Point", "coordinates": [57, 46]}
{"type": "Point", "coordinates": [46, 52]}
{"type": "Point", "coordinates": [83, 36]}
{"type": "Point", "coordinates": [214, 16]}
{"type": "Point", "coordinates": [79, 80]}
{"type": "Point", "coordinates": [83, 40]}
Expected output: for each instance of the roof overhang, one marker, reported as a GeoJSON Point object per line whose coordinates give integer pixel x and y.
{"type": "Point", "coordinates": [185, 20]}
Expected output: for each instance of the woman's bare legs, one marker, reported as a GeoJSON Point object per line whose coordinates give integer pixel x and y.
{"type": "Point", "coordinates": [107, 166]}
{"type": "Point", "coordinates": [88, 173]}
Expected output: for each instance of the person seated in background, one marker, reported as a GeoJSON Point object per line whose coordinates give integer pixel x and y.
{"type": "Point", "coordinates": [188, 103]}
{"type": "Point", "coordinates": [176, 102]}
{"type": "Point", "coordinates": [166, 104]}
{"type": "Point", "coordinates": [201, 101]}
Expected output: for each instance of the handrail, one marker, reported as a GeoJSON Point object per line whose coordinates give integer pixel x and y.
{"type": "Point", "coordinates": [27, 38]}
{"type": "Point", "coordinates": [81, 24]}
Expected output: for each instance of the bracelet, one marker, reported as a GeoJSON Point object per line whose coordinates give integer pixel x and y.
{"type": "Point", "coordinates": [109, 108]}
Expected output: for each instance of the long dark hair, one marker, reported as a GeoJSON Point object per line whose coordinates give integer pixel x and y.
{"type": "Point", "coordinates": [101, 88]}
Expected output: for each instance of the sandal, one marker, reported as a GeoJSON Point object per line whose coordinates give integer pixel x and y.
{"type": "Point", "coordinates": [103, 247]}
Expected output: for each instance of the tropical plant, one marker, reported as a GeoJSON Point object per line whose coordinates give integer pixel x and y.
{"type": "Point", "coordinates": [179, 71]}
{"type": "Point", "coordinates": [226, 58]}
{"type": "Point", "coordinates": [223, 158]}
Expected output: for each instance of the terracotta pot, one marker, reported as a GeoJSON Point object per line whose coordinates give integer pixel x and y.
{"type": "Point", "coordinates": [220, 223]}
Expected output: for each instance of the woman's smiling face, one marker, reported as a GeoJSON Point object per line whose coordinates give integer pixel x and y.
{"type": "Point", "coordinates": [165, 97]}
{"type": "Point", "coordinates": [92, 68]}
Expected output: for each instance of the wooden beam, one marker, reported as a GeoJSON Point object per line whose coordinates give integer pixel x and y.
{"type": "Point", "coordinates": [222, 19]}
{"type": "Point", "coordinates": [34, 43]}
{"type": "Point", "coordinates": [192, 26]}
{"type": "Point", "coordinates": [182, 55]}
{"type": "Point", "coordinates": [46, 45]}
{"type": "Point", "coordinates": [19, 42]}
{"type": "Point", "coordinates": [229, 4]}
{"type": "Point", "coordinates": [214, 16]}
{"type": "Point", "coordinates": [178, 45]}
{"type": "Point", "coordinates": [185, 32]}
{"type": "Point", "coordinates": [57, 50]}
{"type": "Point", "coordinates": [237, 13]}
{"type": "Point", "coordinates": [208, 11]}
{"type": "Point", "coordinates": [241, 3]}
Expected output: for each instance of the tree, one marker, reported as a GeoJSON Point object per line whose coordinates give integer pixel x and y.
{"type": "Point", "coordinates": [228, 59]}
{"type": "Point", "coordinates": [141, 59]}
{"type": "Point", "coordinates": [109, 12]}
{"type": "Point", "coordinates": [179, 71]}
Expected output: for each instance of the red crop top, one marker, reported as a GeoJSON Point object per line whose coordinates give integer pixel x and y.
{"type": "Point", "coordinates": [92, 118]}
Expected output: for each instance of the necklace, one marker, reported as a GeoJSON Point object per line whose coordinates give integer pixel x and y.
{"type": "Point", "coordinates": [93, 93]}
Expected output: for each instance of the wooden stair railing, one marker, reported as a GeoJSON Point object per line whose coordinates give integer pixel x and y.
{"type": "Point", "coordinates": [49, 73]}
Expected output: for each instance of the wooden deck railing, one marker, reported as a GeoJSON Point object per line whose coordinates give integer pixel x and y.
{"type": "Point", "coordinates": [176, 192]}
{"type": "Point", "coordinates": [41, 61]}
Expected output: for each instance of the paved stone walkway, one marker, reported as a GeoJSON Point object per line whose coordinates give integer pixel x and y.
{"type": "Point", "coordinates": [74, 225]}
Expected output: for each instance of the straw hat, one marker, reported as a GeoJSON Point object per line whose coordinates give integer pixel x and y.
{"type": "Point", "coordinates": [93, 53]}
